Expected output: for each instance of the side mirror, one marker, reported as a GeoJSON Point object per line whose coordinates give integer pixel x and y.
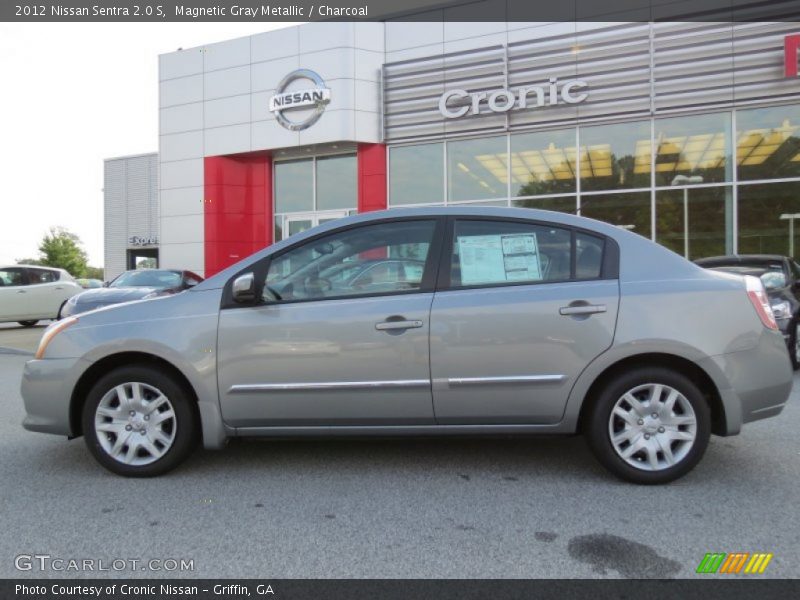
{"type": "Point", "coordinates": [244, 288]}
{"type": "Point", "coordinates": [105, 284]}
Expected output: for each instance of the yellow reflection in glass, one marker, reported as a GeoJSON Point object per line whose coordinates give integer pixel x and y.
{"type": "Point", "coordinates": [757, 145]}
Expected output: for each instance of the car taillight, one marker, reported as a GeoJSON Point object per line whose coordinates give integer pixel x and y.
{"type": "Point", "coordinates": [757, 295]}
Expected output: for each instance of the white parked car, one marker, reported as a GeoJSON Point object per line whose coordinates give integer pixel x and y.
{"type": "Point", "coordinates": [29, 293]}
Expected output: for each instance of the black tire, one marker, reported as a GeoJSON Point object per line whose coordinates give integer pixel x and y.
{"type": "Point", "coordinates": [186, 420]}
{"type": "Point", "coordinates": [27, 323]}
{"type": "Point", "coordinates": [60, 308]}
{"type": "Point", "coordinates": [600, 414]}
{"type": "Point", "coordinates": [794, 351]}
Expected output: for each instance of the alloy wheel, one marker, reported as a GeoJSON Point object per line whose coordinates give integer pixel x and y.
{"type": "Point", "coordinates": [652, 427]}
{"type": "Point", "coordinates": [135, 423]}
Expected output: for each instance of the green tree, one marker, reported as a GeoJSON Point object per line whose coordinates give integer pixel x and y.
{"type": "Point", "coordinates": [94, 273]}
{"type": "Point", "coordinates": [63, 249]}
{"type": "Point", "coordinates": [146, 263]}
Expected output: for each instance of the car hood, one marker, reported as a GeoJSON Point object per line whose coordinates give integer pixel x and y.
{"type": "Point", "coordinates": [102, 296]}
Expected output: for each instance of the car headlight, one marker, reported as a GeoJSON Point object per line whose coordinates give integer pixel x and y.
{"type": "Point", "coordinates": [51, 332]}
{"type": "Point", "coordinates": [782, 310]}
{"type": "Point", "coordinates": [73, 300]}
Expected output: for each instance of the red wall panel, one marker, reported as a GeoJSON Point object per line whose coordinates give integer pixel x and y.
{"type": "Point", "coordinates": [791, 44]}
{"type": "Point", "coordinates": [372, 194]}
{"type": "Point", "coordinates": [237, 208]}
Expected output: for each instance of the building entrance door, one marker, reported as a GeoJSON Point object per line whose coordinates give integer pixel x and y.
{"type": "Point", "coordinates": [299, 222]}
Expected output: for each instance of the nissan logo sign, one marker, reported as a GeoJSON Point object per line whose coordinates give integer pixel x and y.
{"type": "Point", "coordinates": [317, 97]}
{"type": "Point", "coordinates": [457, 103]}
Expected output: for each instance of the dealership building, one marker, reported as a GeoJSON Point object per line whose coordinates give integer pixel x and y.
{"type": "Point", "coordinates": [685, 133]}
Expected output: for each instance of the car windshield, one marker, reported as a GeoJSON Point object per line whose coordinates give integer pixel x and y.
{"type": "Point", "coordinates": [154, 279]}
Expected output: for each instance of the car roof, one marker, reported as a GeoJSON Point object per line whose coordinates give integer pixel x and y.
{"type": "Point", "coordinates": [31, 267]}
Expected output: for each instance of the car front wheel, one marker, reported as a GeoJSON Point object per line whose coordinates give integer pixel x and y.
{"type": "Point", "coordinates": [650, 425]}
{"type": "Point", "coordinates": [139, 421]}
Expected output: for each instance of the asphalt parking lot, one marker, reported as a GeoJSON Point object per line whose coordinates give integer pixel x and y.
{"type": "Point", "coordinates": [405, 508]}
{"type": "Point", "coordinates": [16, 339]}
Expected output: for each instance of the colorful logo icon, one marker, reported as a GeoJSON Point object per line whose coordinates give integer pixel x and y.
{"type": "Point", "coordinates": [734, 563]}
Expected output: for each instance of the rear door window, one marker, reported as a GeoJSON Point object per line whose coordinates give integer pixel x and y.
{"type": "Point", "coordinates": [488, 252]}
{"type": "Point", "coordinates": [589, 253]}
{"type": "Point", "coordinates": [37, 276]}
{"type": "Point", "coordinates": [506, 252]}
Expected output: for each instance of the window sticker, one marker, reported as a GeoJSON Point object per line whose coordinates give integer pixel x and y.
{"type": "Point", "coordinates": [495, 258]}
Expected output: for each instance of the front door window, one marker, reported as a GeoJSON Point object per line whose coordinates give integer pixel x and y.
{"type": "Point", "coordinates": [375, 259]}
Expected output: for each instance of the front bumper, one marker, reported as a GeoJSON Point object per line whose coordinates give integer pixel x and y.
{"type": "Point", "coordinates": [46, 391]}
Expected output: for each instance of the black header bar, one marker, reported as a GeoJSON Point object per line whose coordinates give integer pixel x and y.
{"type": "Point", "coordinates": [398, 589]}
{"type": "Point", "coordinates": [398, 10]}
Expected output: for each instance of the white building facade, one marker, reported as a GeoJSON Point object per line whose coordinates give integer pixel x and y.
{"type": "Point", "coordinates": [686, 133]}
{"type": "Point", "coordinates": [131, 215]}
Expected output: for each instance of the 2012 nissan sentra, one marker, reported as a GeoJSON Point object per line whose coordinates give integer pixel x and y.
{"type": "Point", "coordinates": [516, 321]}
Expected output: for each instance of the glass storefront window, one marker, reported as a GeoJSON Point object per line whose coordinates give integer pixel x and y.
{"type": "Point", "coordinates": [477, 169]}
{"type": "Point", "coordinates": [416, 174]}
{"type": "Point", "coordinates": [768, 142]}
{"type": "Point", "coordinates": [767, 214]}
{"type": "Point", "coordinates": [705, 214]}
{"type": "Point", "coordinates": [566, 204]}
{"type": "Point", "coordinates": [543, 163]}
{"type": "Point", "coordinates": [337, 182]}
{"type": "Point", "coordinates": [294, 186]}
{"type": "Point", "coordinates": [693, 149]}
{"type": "Point", "coordinates": [615, 156]}
{"type": "Point", "coordinates": [481, 203]}
{"type": "Point", "coordinates": [630, 211]}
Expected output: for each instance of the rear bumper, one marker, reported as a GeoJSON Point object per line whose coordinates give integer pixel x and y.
{"type": "Point", "coordinates": [46, 391]}
{"type": "Point", "coordinates": [753, 384]}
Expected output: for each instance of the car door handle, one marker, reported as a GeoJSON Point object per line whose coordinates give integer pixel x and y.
{"type": "Point", "coordinates": [585, 309]}
{"type": "Point", "coordinates": [393, 325]}
{"type": "Point", "coordinates": [21, 292]}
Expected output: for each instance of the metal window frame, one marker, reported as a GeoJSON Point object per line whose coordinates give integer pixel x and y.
{"type": "Point", "coordinates": [315, 211]}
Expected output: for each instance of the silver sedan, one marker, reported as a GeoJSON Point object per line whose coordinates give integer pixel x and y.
{"type": "Point", "coordinates": [471, 321]}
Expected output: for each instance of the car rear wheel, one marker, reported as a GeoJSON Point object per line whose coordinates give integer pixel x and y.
{"type": "Point", "coordinates": [650, 425]}
{"type": "Point", "coordinates": [139, 422]}
{"type": "Point", "coordinates": [27, 323]}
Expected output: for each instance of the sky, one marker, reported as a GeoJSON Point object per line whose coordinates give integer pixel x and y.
{"type": "Point", "coordinates": [70, 96]}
